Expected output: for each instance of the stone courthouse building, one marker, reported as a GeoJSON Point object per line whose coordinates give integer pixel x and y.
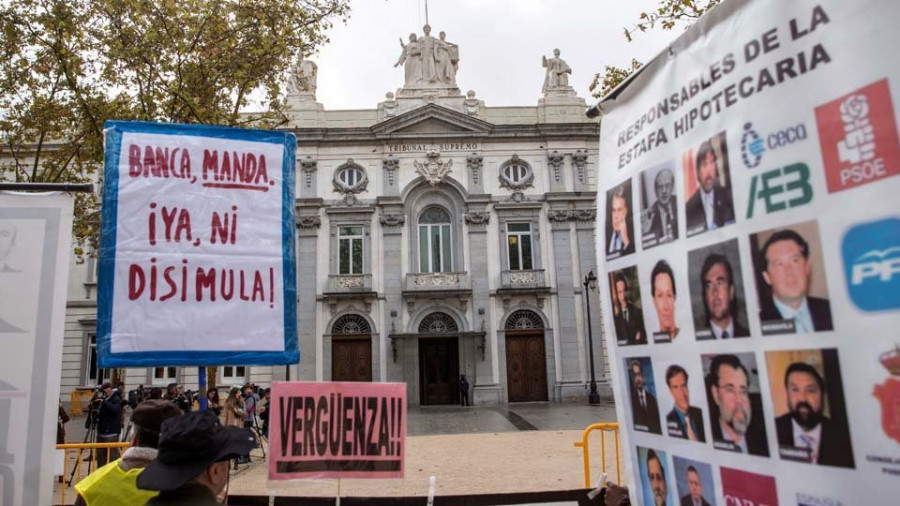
{"type": "Point", "coordinates": [436, 236]}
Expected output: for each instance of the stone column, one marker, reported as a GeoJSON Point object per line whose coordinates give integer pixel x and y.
{"type": "Point", "coordinates": [580, 168]}
{"type": "Point", "coordinates": [556, 166]}
{"type": "Point", "coordinates": [485, 391]}
{"type": "Point", "coordinates": [308, 238]}
{"type": "Point", "coordinates": [390, 165]}
{"type": "Point", "coordinates": [585, 221]}
{"type": "Point", "coordinates": [392, 220]}
{"type": "Point", "coordinates": [475, 167]}
{"type": "Point", "coordinates": [570, 385]}
{"type": "Point", "coordinates": [307, 181]}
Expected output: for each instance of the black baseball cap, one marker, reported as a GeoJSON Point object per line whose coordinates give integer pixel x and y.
{"type": "Point", "coordinates": [189, 444]}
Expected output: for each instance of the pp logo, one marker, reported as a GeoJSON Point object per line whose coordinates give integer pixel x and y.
{"type": "Point", "coordinates": [858, 136]}
{"type": "Point", "coordinates": [871, 254]}
{"type": "Point", "coordinates": [780, 189]}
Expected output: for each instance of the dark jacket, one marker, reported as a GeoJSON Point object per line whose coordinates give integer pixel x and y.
{"type": "Point", "coordinates": [680, 431]}
{"type": "Point", "coordinates": [110, 417]}
{"type": "Point", "coordinates": [656, 226]}
{"type": "Point", "coordinates": [189, 494]}
{"type": "Point", "coordinates": [723, 209]}
{"type": "Point", "coordinates": [686, 501]}
{"type": "Point", "coordinates": [739, 330]}
{"type": "Point", "coordinates": [648, 417]}
{"type": "Point", "coordinates": [628, 330]}
{"type": "Point", "coordinates": [834, 449]}
{"type": "Point", "coordinates": [756, 432]}
{"type": "Point", "coordinates": [819, 310]}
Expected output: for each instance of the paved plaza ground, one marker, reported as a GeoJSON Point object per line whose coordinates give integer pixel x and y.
{"type": "Point", "coordinates": [473, 450]}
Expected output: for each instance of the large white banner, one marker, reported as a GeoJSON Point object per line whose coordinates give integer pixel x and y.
{"type": "Point", "coordinates": [197, 262]}
{"type": "Point", "coordinates": [750, 234]}
{"type": "Point", "coordinates": [35, 241]}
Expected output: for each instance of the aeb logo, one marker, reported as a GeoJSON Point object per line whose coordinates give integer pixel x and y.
{"type": "Point", "coordinates": [871, 254]}
{"type": "Point", "coordinates": [753, 145]}
{"type": "Point", "coordinates": [780, 189]}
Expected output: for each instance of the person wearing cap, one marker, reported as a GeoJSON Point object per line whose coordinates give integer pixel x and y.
{"type": "Point", "coordinates": [116, 482]}
{"type": "Point", "coordinates": [109, 423]}
{"type": "Point", "coordinates": [192, 466]}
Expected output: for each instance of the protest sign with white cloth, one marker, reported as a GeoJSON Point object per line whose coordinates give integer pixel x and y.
{"type": "Point", "coordinates": [197, 262]}
{"type": "Point", "coordinates": [757, 157]}
{"type": "Point", "coordinates": [35, 249]}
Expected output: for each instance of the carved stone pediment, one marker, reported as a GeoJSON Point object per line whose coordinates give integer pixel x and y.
{"type": "Point", "coordinates": [431, 118]}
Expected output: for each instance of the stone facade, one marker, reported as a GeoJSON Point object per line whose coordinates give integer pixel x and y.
{"type": "Point", "coordinates": [436, 190]}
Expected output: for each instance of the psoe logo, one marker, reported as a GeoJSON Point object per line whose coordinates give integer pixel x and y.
{"type": "Point", "coordinates": [780, 189]}
{"type": "Point", "coordinates": [858, 137]}
{"type": "Point", "coordinates": [753, 145]}
{"type": "Point", "coordinates": [871, 254]}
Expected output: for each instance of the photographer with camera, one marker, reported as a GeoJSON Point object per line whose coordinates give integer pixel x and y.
{"type": "Point", "coordinates": [183, 400]}
{"type": "Point", "coordinates": [107, 407]}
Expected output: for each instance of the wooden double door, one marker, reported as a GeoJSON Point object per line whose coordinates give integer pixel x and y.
{"type": "Point", "coordinates": [438, 371]}
{"type": "Point", "coordinates": [351, 358]}
{"type": "Point", "coordinates": [526, 366]}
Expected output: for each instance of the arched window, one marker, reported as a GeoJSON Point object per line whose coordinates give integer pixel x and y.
{"type": "Point", "coordinates": [438, 323]}
{"type": "Point", "coordinates": [524, 319]}
{"type": "Point", "coordinates": [351, 324]}
{"type": "Point", "coordinates": [435, 246]}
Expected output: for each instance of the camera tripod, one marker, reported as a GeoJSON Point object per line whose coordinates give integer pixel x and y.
{"type": "Point", "coordinates": [89, 437]}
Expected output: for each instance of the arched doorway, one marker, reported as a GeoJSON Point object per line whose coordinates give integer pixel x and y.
{"type": "Point", "coordinates": [351, 349]}
{"type": "Point", "coordinates": [526, 364]}
{"type": "Point", "coordinates": [438, 360]}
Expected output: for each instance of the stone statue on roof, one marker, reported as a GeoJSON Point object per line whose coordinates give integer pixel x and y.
{"type": "Point", "coordinates": [428, 62]}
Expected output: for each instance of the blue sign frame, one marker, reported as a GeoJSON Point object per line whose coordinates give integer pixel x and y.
{"type": "Point", "coordinates": [106, 273]}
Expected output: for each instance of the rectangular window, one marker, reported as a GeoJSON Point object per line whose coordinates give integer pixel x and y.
{"type": "Point", "coordinates": [435, 248]}
{"type": "Point", "coordinates": [93, 375]}
{"type": "Point", "coordinates": [350, 246]}
{"type": "Point", "coordinates": [234, 374]}
{"type": "Point", "coordinates": [162, 376]}
{"type": "Point", "coordinates": [518, 237]}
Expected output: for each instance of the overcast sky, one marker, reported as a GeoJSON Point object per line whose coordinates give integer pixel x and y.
{"type": "Point", "coordinates": [500, 44]}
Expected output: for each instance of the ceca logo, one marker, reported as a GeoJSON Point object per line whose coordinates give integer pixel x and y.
{"type": "Point", "coordinates": [871, 253]}
{"type": "Point", "coordinates": [753, 145]}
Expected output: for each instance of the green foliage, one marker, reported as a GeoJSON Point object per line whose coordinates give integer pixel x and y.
{"type": "Point", "coordinates": [66, 66]}
{"type": "Point", "coordinates": [668, 15]}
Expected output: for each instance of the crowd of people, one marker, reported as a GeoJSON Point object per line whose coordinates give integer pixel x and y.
{"type": "Point", "coordinates": [179, 454]}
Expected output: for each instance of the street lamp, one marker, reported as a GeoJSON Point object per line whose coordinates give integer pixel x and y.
{"type": "Point", "coordinates": [590, 285]}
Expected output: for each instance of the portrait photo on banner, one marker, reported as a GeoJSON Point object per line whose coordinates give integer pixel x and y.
{"type": "Point", "coordinates": [659, 205]}
{"type": "Point", "coordinates": [665, 310]}
{"type": "Point", "coordinates": [790, 280]}
{"type": "Point", "coordinates": [810, 409]}
{"type": "Point", "coordinates": [642, 390]}
{"type": "Point", "coordinates": [628, 314]}
{"type": "Point", "coordinates": [707, 186]}
{"type": "Point", "coordinates": [694, 480]}
{"type": "Point", "coordinates": [734, 397]}
{"type": "Point", "coordinates": [619, 221]}
{"type": "Point", "coordinates": [717, 292]}
{"type": "Point", "coordinates": [683, 400]}
{"type": "Point", "coordinates": [656, 481]}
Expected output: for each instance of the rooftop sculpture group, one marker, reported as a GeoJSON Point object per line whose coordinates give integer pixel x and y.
{"type": "Point", "coordinates": [429, 62]}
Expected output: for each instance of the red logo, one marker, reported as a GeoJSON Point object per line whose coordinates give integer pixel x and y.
{"type": "Point", "coordinates": [888, 394]}
{"type": "Point", "coordinates": [858, 136]}
{"type": "Point", "coordinates": [748, 489]}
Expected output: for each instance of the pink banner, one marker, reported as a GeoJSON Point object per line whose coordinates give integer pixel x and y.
{"type": "Point", "coordinates": [337, 430]}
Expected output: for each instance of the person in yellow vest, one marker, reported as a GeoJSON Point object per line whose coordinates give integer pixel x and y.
{"type": "Point", "coordinates": [116, 482]}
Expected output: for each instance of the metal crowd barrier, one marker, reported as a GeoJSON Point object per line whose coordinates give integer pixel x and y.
{"type": "Point", "coordinates": [76, 476]}
{"type": "Point", "coordinates": [585, 450]}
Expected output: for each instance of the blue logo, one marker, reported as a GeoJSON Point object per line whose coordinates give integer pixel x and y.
{"type": "Point", "coordinates": [871, 254]}
{"type": "Point", "coordinates": [753, 145]}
